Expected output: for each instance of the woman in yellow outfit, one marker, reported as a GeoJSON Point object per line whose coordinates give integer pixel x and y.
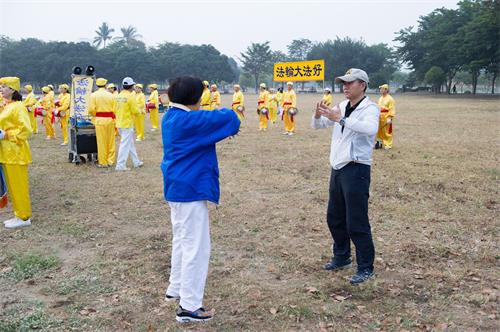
{"type": "Point", "coordinates": [153, 112]}
{"type": "Point", "coordinates": [273, 106]}
{"type": "Point", "coordinates": [30, 103]}
{"type": "Point", "coordinates": [263, 102]}
{"type": "Point", "coordinates": [327, 97]}
{"type": "Point", "coordinates": [47, 104]}
{"type": "Point", "coordinates": [62, 104]}
{"type": "Point", "coordinates": [238, 100]}
{"type": "Point", "coordinates": [215, 100]}
{"type": "Point", "coordinates": [15, 155]}
{"type": "Point", "coordinates": [289, 100]}
{"type": "Point", "coordinates": [206, 97]}
{"type": "Point", "coordinates": [139, 118]}
{"type": "Point", "coordinates": [102, 106]}
{"type": "Point", "coordinates": [387, 112]}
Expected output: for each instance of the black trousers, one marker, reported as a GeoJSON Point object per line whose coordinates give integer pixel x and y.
{"type": "Point", "coordinates": [347, 214]}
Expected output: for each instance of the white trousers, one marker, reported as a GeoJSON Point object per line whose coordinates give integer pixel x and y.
{"type": "Point", "coordinates": [190, 252]}
{"type": "Point", "coordinates": [127, 146]}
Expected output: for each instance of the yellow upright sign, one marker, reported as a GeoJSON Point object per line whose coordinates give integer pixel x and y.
{"type": "Point", "coordinates": [313, 70]}
{"type": "Point", "coordinates": [81, 88]}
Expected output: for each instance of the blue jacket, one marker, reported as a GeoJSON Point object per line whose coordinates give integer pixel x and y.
{"type": "Point", "coordinates": [190, 168]}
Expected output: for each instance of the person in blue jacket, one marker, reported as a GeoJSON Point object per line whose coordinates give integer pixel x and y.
{"type": "Point", "coordinates": [191, 180]}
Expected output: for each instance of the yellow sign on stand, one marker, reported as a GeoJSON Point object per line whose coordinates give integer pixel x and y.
{"type": "Point", "coordinates": [313, 70]}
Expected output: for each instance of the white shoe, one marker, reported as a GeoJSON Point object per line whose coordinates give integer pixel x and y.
{"type": "Point", "coordinates": [153, 129]}
{"type": "Point", "coordinates": [139, 164]}
{"type": "Point", "coordinates": [18, 223]}
{"type": "Point", "coordinates": [290, 133]}
{"type": "Point", "coordinates": [9, 221]}
{"type": "Point", "coordinates": [64, 144]}
{"type": "Point", "coordinates": [285, 133]}
{"type": "Point", "coordinates": [171, 298]}
{"type": "Point", "coordinates": [122, 169]}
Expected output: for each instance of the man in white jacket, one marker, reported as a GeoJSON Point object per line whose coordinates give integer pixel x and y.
{"type": "Point", "coordinates": [355, 124]}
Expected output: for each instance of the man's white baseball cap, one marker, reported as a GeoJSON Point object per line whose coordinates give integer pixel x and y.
{"type": "Point", "coordinates": [128, 81]}
{"type": "Point", "coordinates": [352, 75]}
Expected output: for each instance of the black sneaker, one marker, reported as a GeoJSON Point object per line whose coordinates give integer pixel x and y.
{"type": "Point", "coordinates": [186, 316]}
{"type": "Point", "coordinates": [335, 265]}
{"type": "Point", "coordinates": [378, 145]}
{"type": "Point", "coordinates": [362, 276]}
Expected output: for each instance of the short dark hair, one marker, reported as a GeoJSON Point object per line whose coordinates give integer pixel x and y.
{"type": "Point", "coordinates": [185, 90]}
{"type": "Point", "coordinates": [16, 96]}
{"type": "Point", "coordinates": [127, 87]}
{"type": "Point", "coordinates": [366, 84]}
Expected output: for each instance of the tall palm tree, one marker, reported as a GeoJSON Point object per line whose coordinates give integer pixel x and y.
{"type": "Point", "coordinates": [129, 35]}
{"type": "Point", "coordinates": [103, 34]}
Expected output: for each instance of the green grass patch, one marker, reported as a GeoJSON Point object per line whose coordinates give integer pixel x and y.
{"type": "Point", "coordinates": [29, 265]}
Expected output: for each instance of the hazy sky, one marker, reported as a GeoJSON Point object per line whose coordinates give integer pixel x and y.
{"type": "Point", "coordinates": [228, 25]}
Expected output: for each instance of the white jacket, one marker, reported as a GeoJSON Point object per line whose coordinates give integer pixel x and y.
{"type": "Point", "coordinates": [357, 140]}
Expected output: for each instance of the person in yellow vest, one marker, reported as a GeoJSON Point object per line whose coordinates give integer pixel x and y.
{"type": "Point", "coordinates": [327, 97]}
{"type": "Point", "coordinates": [153, 112]}
{"type": "Point", "coordinates": [112, 89]}
{"type": "Point", "coordinates": [126, 109]}
{"type": "Point", "coordinates": [206, 97]}
{"type": "Point", "coordinates": [263, 102]}
{"type": "Point", "coordinates": [102, 107]}
{"type": "Point", "coordinates": [52, 93]}
{"type": "Point", "coordinates": [30, 103]}
{"type": "Point", "coordinates": [238, 100]}
{"type": "Point", "coordinates": [139, 118]}
{"type": "Point", "coordinates": [279, 98]}
{"type": "Point", "coordinates": [215, 100]}
{"type": "Point", "coordinates": [289, 100]}
{"type": "Point", "coordinates": [387, 112]}
{"type": "Point", "coordinates": [273, 106]}
{"type": "Point", "coordinates": [15, 154]}
{"type": "Point", "coordinates": [62, 110]}
{"type": "Point", "coordinates": [47, 104]}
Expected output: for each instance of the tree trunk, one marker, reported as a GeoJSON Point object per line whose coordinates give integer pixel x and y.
{"type": "Point", "coordinates": [333, 86]}
{"type": "Point", "coordinates": [474, 82]}
{"type": "Point", "coordinates": [493, 82]}
{"type": "Point", "coordinates": [256, 82]}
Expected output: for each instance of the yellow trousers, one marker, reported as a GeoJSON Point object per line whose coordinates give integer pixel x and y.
{"type": "Point", "coordinates": [16, 178]}
{"type": "Point", "coordinates": [240, 116]}
{"type": "Point", "coordinates": [106, 144]}
{"type": "Point", "coordinates": [153, 116]}
{"type": "Point", "coordinates": [263, 121]}
{"type": "Point", "coordinates": [33, 123]}
{"type": "Point", "coordinates": [385, 132]}
{"type": "Point", "coordinates": [289, 124]}
{"type": "Point", "coordinates": [273, 114]}
{"type": "Point", "coordinates": [64, 128]}
{"type": "Point", "coordinates": [139, 126]}
{"type": "Point", "coordinates": [49, 126]}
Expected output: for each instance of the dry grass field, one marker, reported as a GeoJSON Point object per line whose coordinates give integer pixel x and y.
{"type": "Point", "coordinates": [97, 255]}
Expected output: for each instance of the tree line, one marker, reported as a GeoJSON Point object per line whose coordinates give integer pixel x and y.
{"type": "Point", "coordinates": [447, 46]}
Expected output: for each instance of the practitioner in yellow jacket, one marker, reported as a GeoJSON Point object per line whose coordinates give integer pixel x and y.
{"type": "Point", "coordinates": [139, 118]}
{"type": "Point", "coordinates": [327, 97]}
{"type": "Point", "coordinates": [102, 107]}
{"type": "Point", "coordinates": [215, 102]}
{"type": "Point", "coordinates": [51, 92]}
{"type": "Point", "coordinates": [289, 100]}
{"type": "Point", "coordinates": [387, 112]}
{"type": "Point", "coordinates": [273, 106]}
{"type": "Point", "coordinates": [206, 97]}
{"type": "Point", "coordinates": [62, 104]}
{"type": "Point", "coordinates": [153, 112]}
{"type": "Point", "coordinates": [126, 109]}
{"type": "Point", "coordinates": [30, 103]}
{"type": "Point", "coordinates": [15, 154]}
{"type": "Point", "coordinates": [263, 102]}
{"type": "Point", "coordinates": [238, 100]}
{"type": "Point", "coordinates": [47, 104]}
